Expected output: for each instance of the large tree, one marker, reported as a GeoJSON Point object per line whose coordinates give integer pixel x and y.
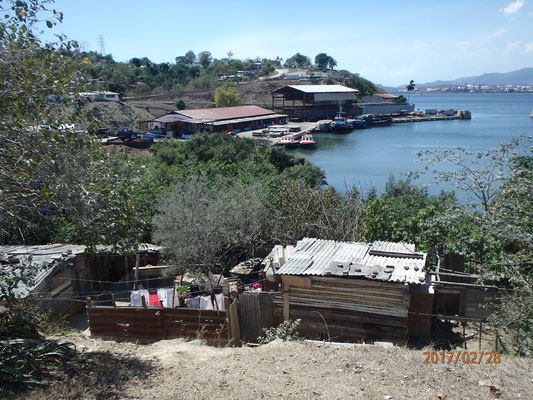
{"type": "Point", "coordinates": [55, 185]}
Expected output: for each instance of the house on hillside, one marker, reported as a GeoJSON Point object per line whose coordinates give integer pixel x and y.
{"type": "Point", "coordinates": [184, 123]}
{"type": "Point", "coordinates": [100, 96]}
{"type": "Point", "coordinates": [350, 291]}
{"type": "Point", "coordinates": [65, 273]}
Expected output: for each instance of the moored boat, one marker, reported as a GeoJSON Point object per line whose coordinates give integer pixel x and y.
{"type": "Point", "coordinates": [340, 124]}
{"type": "Point", "coordinates": [307, 142]}
{"type": "Point", "coordinates": [288, 141]}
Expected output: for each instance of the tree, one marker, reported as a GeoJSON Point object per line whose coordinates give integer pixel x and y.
{"type": "Point", "coordinates": [190, 56]}
{"type": "Point", "coordinates": [365, 87]}
{"type": "Point", "coordinates": [410, 88]}
{"type": "Point", "coordinates": [227, 96]}
{"type": "Point", "coordinates": [477, 173]}
{"type": "Point", "coordinates": [401, 99]}
{"type": "Point", "coordinates": [204, 58]}
{"type": "Point", "coordinates": [54, 185]}
{"type": "Point", "coordinates": [298, 61]}
{"type": "Point", "coordinates": [180, 104]}
{"type": "Point", "coordinates": [213, 222]}
{"type": "Point", "coordinates": [323, 61]}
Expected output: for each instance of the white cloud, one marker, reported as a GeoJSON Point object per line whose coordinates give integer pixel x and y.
{"type": "Point", "coordinates": [512, 45]}
{"type": "Point", "coordinates": [528, 47]}
{"type": "Point", "coordinates": [513, 7]}
{"type": "Point", "coordinates": [498, 33]}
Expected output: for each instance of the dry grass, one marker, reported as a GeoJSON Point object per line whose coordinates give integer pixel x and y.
{"type": "Point", "coordinates": [296, 370]}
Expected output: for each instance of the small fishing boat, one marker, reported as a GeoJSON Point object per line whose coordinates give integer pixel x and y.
{"type": "Point", "coordinates": [307, 142]}
{"type": "Point", "coordinates": [288, 141]}
{"type": "Point", "coordinates": [340, 124]}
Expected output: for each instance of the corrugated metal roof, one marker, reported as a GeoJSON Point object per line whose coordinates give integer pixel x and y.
{"type": "Point", "coordinates": [45, 258]}
{"type": "Point", "coordinates": [322, 88]}
{"type": "Point", "coordinates": [395, 262]}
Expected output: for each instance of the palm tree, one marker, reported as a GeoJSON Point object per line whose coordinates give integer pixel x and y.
{"type": "Point", "coordinates": [410, 88]}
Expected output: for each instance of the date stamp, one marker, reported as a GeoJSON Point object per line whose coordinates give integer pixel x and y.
{"type": "Point", "coordinates": [462, 357]}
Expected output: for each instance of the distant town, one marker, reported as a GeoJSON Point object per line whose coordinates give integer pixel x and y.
{"type": "Point", "coordinates": [478, 89]}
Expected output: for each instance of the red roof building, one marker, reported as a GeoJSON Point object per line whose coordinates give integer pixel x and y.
{"type": "Point", "coordinates": [229, 119]}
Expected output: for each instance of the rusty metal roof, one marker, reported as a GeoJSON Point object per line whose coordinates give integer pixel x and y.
{"type": "Point", "coordinates": [217, 114]}
{"type": "Point", "coordinates": [385, 261]}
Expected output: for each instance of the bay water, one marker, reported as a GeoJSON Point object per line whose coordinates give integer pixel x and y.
{"type": "Point", "coordinates": [366, 157]}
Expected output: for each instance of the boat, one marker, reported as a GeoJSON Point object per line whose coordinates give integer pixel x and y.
{"type": "Point", "coordinates": [288, 141]}
{"type": "Point", "coordinates": [340, 124]}
{"type": "Point", "coordinates": [382, 120]}
{"type": "Point", "coordinates": [307, 142]}
{"type": "Point", "coordinates": [359, 123]}
{"type": "Point", "coordinates": [324, 125]}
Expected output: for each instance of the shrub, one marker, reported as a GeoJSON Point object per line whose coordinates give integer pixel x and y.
{"type": "Point", "coordinates": [285, 331]}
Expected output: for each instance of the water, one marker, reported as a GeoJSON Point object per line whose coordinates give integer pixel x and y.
{"type": "Point", "coordinates": [367, 157]}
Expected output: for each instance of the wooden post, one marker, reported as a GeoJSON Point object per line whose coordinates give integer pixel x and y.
{"type": "Point", "coordinates": [233, 316]}
{"type": "Point", "coordinates": [143, 301]}
{"type": "Point", "coordinates": [286, 303]}
{"type": "Point", "coordinates": [137, 262]}
{"type": "Point", "coordinates": [113, 303]}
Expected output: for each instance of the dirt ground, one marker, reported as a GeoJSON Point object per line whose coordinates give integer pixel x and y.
{"type": "Point", "coordinates": [174, 369]}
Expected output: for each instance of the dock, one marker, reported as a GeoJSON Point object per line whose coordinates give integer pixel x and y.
{"type": "Point", "coordinates": [402, 120]}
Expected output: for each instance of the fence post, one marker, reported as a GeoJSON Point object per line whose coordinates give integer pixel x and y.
{"type": "Point", "coordinates": [233, 316]}
{"type": "Point", "coordinates": [143, 301]}
{"type": "Point", "coordinates": [113, 303]}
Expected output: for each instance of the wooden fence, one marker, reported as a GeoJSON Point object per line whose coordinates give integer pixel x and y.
{"type": "Point", "coordinates": [158, 323]}
{"type": "Point", "coordinates": [255, 311]}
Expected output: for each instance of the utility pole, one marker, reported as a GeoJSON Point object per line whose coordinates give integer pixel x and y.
{"type": "Point", "coordinates": [101, 42]}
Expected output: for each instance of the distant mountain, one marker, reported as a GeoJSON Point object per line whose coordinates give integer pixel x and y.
{"type": "Point", "coordinates": [522, 76]}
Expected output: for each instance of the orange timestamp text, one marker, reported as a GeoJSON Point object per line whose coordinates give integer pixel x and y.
{"type": "Point", "coordinates": [462, 357]}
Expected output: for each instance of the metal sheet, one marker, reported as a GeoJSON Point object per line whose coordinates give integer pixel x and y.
{"type": "Point", "coordinates": [323, 257]}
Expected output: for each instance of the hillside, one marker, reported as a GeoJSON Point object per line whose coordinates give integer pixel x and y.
{"type": "Point", "coordinates": [133, 110]}
{"type": "Point", "coordinates": [520, 77]}
{"type": "Point", "coordinates": [289, 370]}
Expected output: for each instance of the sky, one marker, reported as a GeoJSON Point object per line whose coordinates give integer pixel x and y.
{"type": "Point", "coordinates": [389, 42]}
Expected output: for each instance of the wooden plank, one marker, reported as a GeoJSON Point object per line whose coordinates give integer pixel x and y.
{"type": "Point", "coordinates": [296, 281]}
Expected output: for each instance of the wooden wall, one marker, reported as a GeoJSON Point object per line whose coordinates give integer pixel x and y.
{"type": "Point", "coordinates": [158, 323]}
{"type": "Point", "coordinates": [351, 309]}
{"type": "Point", "coordinates": [473, 301]}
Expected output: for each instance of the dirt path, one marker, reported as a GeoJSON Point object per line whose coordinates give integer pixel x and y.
{"type": "Point", "coordinates": [174, 369]}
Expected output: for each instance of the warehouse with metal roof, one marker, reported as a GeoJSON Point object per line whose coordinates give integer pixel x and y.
{"type": "Point", "coordinates": [184, 123]}
{"type": "Point", "coordinates": [314, 102]}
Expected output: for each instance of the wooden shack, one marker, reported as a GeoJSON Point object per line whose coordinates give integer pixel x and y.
{"type": "Point", "coordinates": [64, 274]}
{"type": "Point", "coordinates": [348, 291]}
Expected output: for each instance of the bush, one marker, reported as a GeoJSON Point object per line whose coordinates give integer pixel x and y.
{"type": "Point", "coordinates": [285, 331]}
{"type": "Point", "coordinates": [180, 104]}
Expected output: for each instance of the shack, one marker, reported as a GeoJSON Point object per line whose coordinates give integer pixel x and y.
{"type": "Point", "coordinates": [314, 102]}
{"type": "Point", "coordinates": [349, 291]}
{"type": "Point", "coordinates": [224, 119]}
{"type": "Point", "coordinates": [63, 274]}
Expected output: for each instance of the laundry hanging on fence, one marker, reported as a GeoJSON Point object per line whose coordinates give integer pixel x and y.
{"type": "Point", "coordinates": [166, 297]}
{"type": "Point", "coordinates": [207, 304]}
{"type": "Point", "coordinates": [194, 302]}
{"type": "Point", "coordinates": [136, 297]}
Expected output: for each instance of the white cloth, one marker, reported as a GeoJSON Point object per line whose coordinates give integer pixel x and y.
{"type": "Point", "coordinates": [135, 297]}
{"type": "Point", "coordinates": [207, 304]}
{"type": "Point", "coordinates": [194, 302]}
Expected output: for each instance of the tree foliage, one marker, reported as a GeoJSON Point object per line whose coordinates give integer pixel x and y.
{"type": "Point", "coordinates": [54, 184]}
{"type": "Point", "coordinates": [227, 96]}
{"type": "Point", "coordinates": [323, 61]}
{"type": "Point", "coordinates": [298, 61]}
{"type": "Point", "coordinates": [365, 87]}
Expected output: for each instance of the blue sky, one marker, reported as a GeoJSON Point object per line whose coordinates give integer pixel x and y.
{"type": "Point", "coordinates": [387, 41]}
